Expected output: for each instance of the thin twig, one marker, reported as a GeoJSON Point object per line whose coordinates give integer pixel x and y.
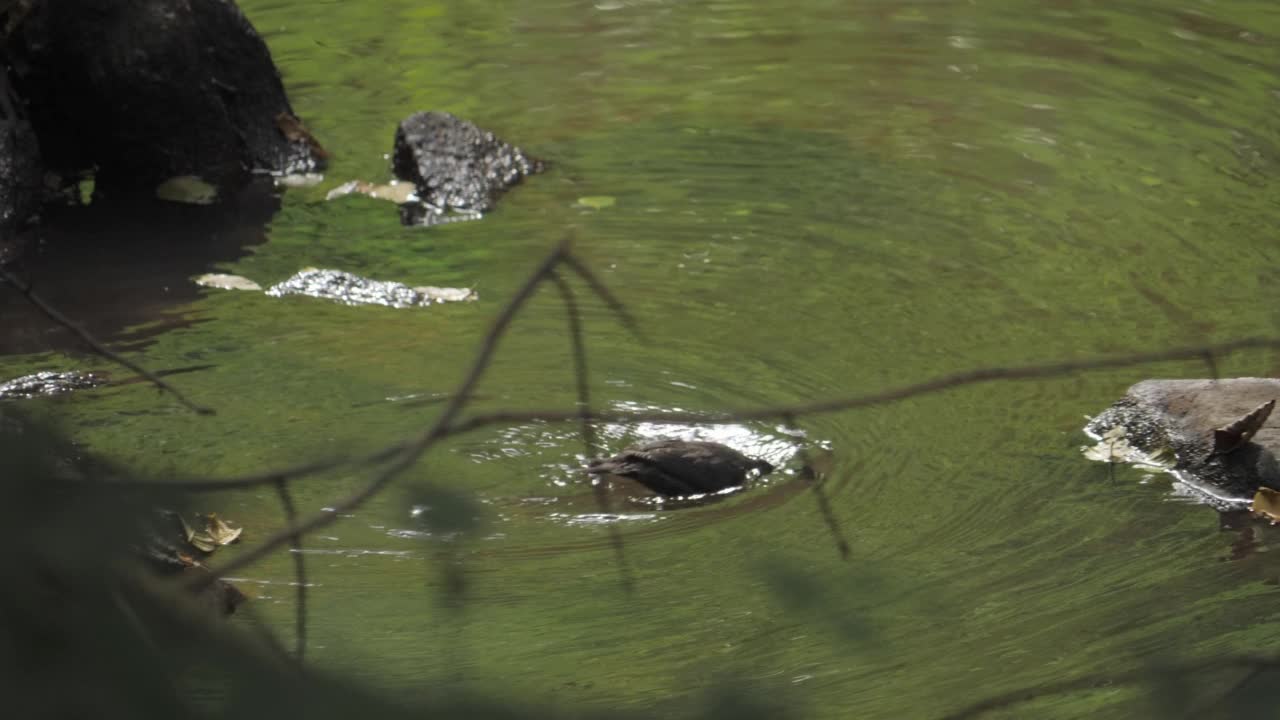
{"type": "Point", "coordinates": [582, 384]}
{"type": "Point", "coordinates": [1105, 680]}
{"type": "Point", "coordinates": [883, 397]}
{"type": "Point", "coordinates": [945, 382]}
{"type": "Point", "coordinates": [598, 488]}
{"type": "Point", "coordinates": [415, 448]}
{"type": "Point", "coordinates": [599, 288]}
{"type": "Point", "coordinates": [53, 314]}
{"type": "Point", "coordinates": [404, 454]}
{"type": "Point", "coordinates": [299, 570]}
{"type": "Point", "coordinates": [815, 483]}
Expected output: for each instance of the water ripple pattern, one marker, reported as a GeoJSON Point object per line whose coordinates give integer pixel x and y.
{"type": "Point", "coordinates": [797, 201]}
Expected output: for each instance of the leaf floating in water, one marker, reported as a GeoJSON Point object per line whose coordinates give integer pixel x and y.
{"type": "Point", "coordinates": [447, 294]}
{"type": "Point", "coordinates": [1234, 436]}
{"type": "Point", "coordinates": [1112, 448]}
{"type": "Point", "coordinates": [215, 533]}
{"type": "Point", "coordinates": [222, 281]}
{"type": "Point", "coordinates": [188, 189]}
{"type": "Point", "coordinates": [596, 202]}
{"type": "Point", "coordinates": [222, 533]}
{"type": "Point", "coordinates": [1266, 504]}
{"type": "Point", "coordinates": [197, 540]}
{"type": "Point", "coordinates": [397, 192]}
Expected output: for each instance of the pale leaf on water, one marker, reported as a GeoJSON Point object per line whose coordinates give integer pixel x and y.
{"type": "Point", "coordinates": [219, 531]}
{"type": "Point", "coordinates": [215, 533]}
{"type": "Point", "coordinates": [1112, 447]}
{"type": "Point", "coordinates": [397, 192]}
{"type": "Point", "coordinates": [1266, 504]}
{"type": "Point", "coordinates": [596, 202]}
{"type": "Point", "coordinates": [223, 281]}
{"type": "Point", "coordinates": [187, 189]}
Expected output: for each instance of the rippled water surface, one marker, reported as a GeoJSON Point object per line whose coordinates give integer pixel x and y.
{"type": "Point", "coordinates": [808, 199]}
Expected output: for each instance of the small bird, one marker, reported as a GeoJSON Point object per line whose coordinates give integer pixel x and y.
{"type": "Point", "coordinates": [681, 467]}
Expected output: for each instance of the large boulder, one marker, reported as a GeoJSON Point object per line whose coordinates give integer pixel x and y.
{"type": "Point", "coordinates": [137, 92]}
{"type": "Point", "coordinates": [1178, 419]}
{"type": "Point", "coordinates": [20, 173]}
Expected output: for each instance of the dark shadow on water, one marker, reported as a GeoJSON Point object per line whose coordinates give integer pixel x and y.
{"type": "Point", "coordinates": [123, 271]}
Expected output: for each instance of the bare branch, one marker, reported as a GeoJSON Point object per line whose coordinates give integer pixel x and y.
{"type": "Point", "coordinates": [590, 445]}
{"type": "Point", "coordinates": [599, 288]}
{"type": "Point", "coordinates": [299, 570]}
{"type": "Point", "coordinates": [403, 454]}
{"type": "Point", "coordinates": [945, 382]}
{"type": "Point", "coordinates": [883, 397]}
{"type": "Point", "coordinates": [810, 476]}
{"type": "Point", "coordinates": [414, 449]}
{"type": "Point", "coordinates": [97, 347]}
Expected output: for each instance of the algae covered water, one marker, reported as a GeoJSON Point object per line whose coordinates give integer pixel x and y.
{"type": "Point", "coordinates": [796, 202]}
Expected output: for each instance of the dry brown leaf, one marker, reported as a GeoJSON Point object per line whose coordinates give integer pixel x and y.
{"type": "Point", "coordinates": [294, 131]}
{"type": "Point", "coordinates": [1233, 436]}
{"type": "Point", "coordinates": [1266, 504]}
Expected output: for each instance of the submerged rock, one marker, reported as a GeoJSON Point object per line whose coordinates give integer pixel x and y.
{"type": "Point", "coordinates": [681, 467]}
{"type": "Point", "coordinates": [351, 289]}
{"type": "Point", "coordinates": [458, 169]}
{"type": "Point", "coordinates": [137, 92]}
{"type": "Point", "coordinates": [47, 383]}
{"type": "Point", "coordinates": [1183, 419]}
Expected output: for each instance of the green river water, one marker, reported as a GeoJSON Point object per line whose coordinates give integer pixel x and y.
{"type": "Point", "coordinates": [809, 199]}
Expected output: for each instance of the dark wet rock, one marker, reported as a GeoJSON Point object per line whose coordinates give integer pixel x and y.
{"type": "Point", "coordinates": [20, 173]}
{"type": "Point", "coordinates": [351, 289]}
{"type": "Point", "coordinates": [459, 170]}
{"type": "Point", "coordinates": [681, 467]}
{"type": "Point", "coordinates": [1180, 417]}
{"type": "Point", "coordinates": [137, 92]}
{"type": "Point", "coordinates": [47, 383]}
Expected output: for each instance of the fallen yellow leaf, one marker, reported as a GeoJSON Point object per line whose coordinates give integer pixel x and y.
{"type": "Point", "coordinates": [220, 532]}
{"type": "Point", "coordinates": [1266, 504]}
{"type": "Point", "coordinates": [215, 533]}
